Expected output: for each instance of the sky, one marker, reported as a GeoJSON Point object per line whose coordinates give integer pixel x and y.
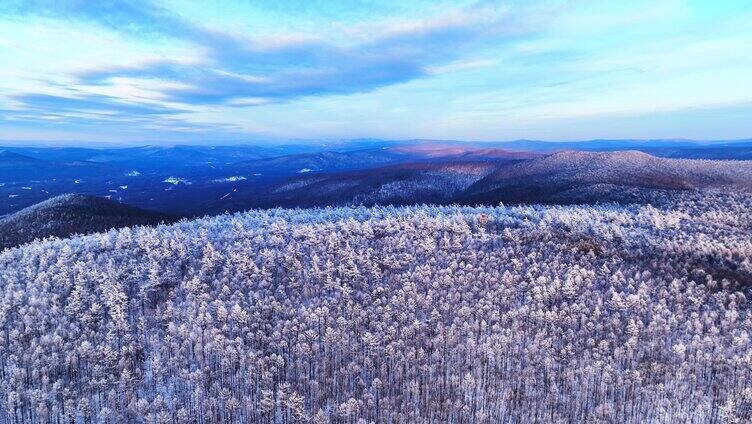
{"type": "Point", "coordinates": [272, 70]}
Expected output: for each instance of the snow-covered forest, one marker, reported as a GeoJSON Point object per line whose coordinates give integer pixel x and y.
{"type": "Point", "coordinates": [562, 314]}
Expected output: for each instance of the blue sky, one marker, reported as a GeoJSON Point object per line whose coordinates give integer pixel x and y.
{"type": "Point", "coordinates": [242, 70]}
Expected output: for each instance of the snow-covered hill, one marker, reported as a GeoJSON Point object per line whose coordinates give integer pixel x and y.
{"type": "Point", "coordinates": [69, 214]}
{"type": "Point", "coordinates": [547, 179]}
{"type": "Point", "coordinates": [603, 313]}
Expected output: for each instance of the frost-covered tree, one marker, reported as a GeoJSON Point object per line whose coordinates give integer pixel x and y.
{"type": "Point", "coordinates": [601, 313]}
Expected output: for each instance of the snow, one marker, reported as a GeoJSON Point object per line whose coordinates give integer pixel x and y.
{"type": "Point", "coordinates": [176, 181]}
{"type": "Point", "coordinates": [581, 313]}
{"type": "Point", "coordinates": [234, 178]}
{"type": "Point", "coordinates": [233, 191]}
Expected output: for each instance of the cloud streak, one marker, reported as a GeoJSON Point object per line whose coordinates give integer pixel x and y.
{"type": "Point", "coordinates": [131, 16]}
{"type": "Point", "coordinates": [244, 70]}
{"type": "Point", "coordinates": [270, 69]}
{"type": "Point", "coordinates": [90, 103]}
{"type": "Point", "coordinates": [276, 70]}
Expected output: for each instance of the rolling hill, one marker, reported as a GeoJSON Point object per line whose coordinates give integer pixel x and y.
{"type": "Point", "coordinates": [549, 178]}
{"type": "Point", "coordinates": [8, 158]}
{"type": "Point", "coordinates": [70, 214]}
{"type": "Point", "coordinates": [326, 161]}
{"type": "Point", "coordinates": [396, 185]}
{"type": "Point", "coordinates": [563, 314]}
{"type": "Point", "coordinates": [234, 178]}
{"type": "Point", "coordinates": [562, 177]}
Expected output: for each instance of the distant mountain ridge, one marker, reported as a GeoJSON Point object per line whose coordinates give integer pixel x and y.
{"type": "Point", "coordinates": [397, 185]}
{"type": "Point", "coordinates": [236, 177]}
{"type": "Point", "coordinates": [329, 160]}
{"type": "Point", "coordinates": [546, 179]}
{"type": "Point", "coordinates": [542, 179]}
{"type": "Point", "coordinates": [469, 178]}
{"type": "Point", "coordinates": [8, 158]}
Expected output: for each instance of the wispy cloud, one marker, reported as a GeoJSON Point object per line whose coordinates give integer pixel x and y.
{"type": "Point", "coordinates": [132, 16]}
{"type": "Point", "coordinates": [90, 103]}
{"type": "Point", "coordinates": [238, 67]}
{"type": "Point", "coordinates": [165, 65]}
{"type": "Point", "coordinates": [241, 70]}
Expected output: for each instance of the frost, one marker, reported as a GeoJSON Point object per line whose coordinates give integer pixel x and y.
{"type": "Point", "coordinates": [604, 313]}
{"type": "Point", "coordinates": [175, 181]}
{"type": "Point", "coordinates": [229, 179]}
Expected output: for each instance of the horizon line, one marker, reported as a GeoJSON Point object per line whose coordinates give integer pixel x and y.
{"type": "Point", "coordinates": [320, 141]}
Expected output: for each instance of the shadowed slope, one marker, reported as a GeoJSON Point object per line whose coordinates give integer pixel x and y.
{"type": "Point", "coordinates": [564, 177]}
{"type": "Point", "coordinates": [549, 178]}
{"type": "Point", "coordinates": [70, 214]}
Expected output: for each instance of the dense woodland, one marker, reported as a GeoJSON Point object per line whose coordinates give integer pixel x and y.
{"type": "Point", "coordinates": [562, 314]}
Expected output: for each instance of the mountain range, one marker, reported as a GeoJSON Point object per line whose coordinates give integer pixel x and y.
{"type": "Point", "coordinates": [545, 179]}
{"type": "Point", "coordinates": [164, 183]}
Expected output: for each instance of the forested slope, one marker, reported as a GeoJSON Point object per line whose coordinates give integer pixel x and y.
{"type": "Point", "coordinates": [549, 179]}
{"type": "Point", "coordinates": [69, 214]}
{"type": "Point", "coordinates": [426, 314]}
